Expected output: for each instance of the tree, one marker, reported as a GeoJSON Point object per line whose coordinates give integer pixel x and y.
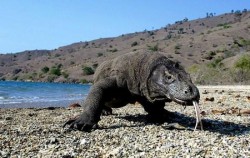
{"type": "Point", "coordinates": [237, 13]}
{"type": "Point", "coordinates": [244, 10]}
{"type": "Point", "coordinates": [185, 19]}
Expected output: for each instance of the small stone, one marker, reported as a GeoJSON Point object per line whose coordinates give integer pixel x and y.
{"type": "Point", "coordinates": [203, 113]}
{"type": "Point", "coordinates": [52, 140]}
{"type": "Point", "coordinates": [84, 141]}
{"type": "Point", "coordinates": [209, 99]}
{"type": "Point", "coordinates": [32, 114]}
{"type": "Point", "coordinates": [215, 111]}
{"type": "Point", "coordinates": [222, 91]}
{"type": "Point", "coordinates": [9, 118]}
{"type": "Point", "coordinates": [67, 156]}
{"type": "Point", "coordinates": [75, 105]}
{"type": "Point", "coordinates": [237, 96]}
{"type": "Point", "coordinates": [205, 92]}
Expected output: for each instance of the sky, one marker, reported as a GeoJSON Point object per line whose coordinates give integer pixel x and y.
{"type": "Point", "coordinates": [49, 24]}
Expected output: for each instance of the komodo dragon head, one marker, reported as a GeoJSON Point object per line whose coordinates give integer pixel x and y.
{"type": "Point", "coordinates": [170, 82]}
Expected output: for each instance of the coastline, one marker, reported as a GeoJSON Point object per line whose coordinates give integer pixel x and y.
{"type": "Point", "coordinates": [62, 104]}
{"type": "Point", "coordinates": [38, 132]}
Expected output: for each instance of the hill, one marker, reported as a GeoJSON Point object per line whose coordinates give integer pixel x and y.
{"type": "Point", "coordinates": [208, 48]}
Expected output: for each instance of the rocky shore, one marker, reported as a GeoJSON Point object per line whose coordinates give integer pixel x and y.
{"type": "Point", "coordinates": [38, 132]}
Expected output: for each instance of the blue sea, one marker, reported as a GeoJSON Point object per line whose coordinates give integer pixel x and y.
{"type": "Point", "coordinates": [37, 94]}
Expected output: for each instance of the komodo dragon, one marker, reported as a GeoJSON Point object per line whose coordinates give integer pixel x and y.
{"type": "Point", "coordinates": [149, 78]}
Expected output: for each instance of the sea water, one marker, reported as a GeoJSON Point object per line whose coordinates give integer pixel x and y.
{"type": "Point", "coordinates": [38, 94]}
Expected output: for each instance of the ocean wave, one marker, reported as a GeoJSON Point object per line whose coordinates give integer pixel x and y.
{"type": "Point", "coordinates": [1, 98]}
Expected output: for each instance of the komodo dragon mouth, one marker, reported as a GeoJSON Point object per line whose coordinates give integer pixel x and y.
{"type": "Point", "coordinates": [197, 111]}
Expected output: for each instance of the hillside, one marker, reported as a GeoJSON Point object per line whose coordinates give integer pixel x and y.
{"type": "Point", "coordinates": [194, 44]}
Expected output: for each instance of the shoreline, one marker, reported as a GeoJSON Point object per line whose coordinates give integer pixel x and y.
{"type": "Point", "coordinates": [88, 83]}
{"type": "Point", "coordinates": [64, 103]}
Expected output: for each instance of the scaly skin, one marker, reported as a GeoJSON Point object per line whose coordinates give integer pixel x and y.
{"type": "Point", "coordinates": [147, 77]}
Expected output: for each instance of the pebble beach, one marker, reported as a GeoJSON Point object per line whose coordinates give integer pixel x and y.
{"type": "Point", "coordinates": [38, 132]}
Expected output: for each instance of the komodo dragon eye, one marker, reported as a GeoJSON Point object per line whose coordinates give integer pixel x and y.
{"type": "Point", "coordinates": [169, 77]}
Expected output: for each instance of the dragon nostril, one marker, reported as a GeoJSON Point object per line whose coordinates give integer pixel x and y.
{"type": "Point", "coordinates": [188, 90]}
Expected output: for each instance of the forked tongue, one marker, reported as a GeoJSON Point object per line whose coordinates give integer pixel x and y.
{"type": "Point", "coordinates": [198, 115]}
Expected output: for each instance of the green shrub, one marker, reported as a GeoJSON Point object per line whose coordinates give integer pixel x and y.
{"type": "Point", "coordinates": [225, 25]}
{"type": "Point", "coordinates": [51, 78]}
{"type": "Point", "coordinates": [154, 48]}
{"type": "Point", "coordinates": [134, 44]}
{"type": "Point", "coordinates": [209, 31]}
{"type": "Point", "coordinates": [216, 63]}
{"type": "Point", "coordinates": [212, 53]}
{"type": "Point", "coordinates": [241, 71]}
{"type": "Point", "coordinates": [113, 50]}
{"type": "Point", "coordinates": [57, 55]}
{"type": "Point", "coordinates": [45, 69]}
{"type": "Point", "coordinates": [241, 42]}
{"type": "Point", "coordinates": [169, 36]}
{"type": "Point", "coordinates": [243, 63]}
{"type": "Point", "coordinates": [180, 31]}
{"type": "Point", "coordinates": [151, 33]}
{"type": "Point", "coordinates": [87, 70]}
{"type": "Point", "coordinates": [177, 46]}
{"type": "Point", "coordinates": [99, 54]}
{"type": "Point", "coordinates": [84, 81]}
{"type": "Point", "coordinates": [55, 71]}
{"type": "Point", "coordinates": [65, 74]}
{"type": "Point", "coordinates": [193, 69]}
{"type": "Point", "coordinates": [15, 78]}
